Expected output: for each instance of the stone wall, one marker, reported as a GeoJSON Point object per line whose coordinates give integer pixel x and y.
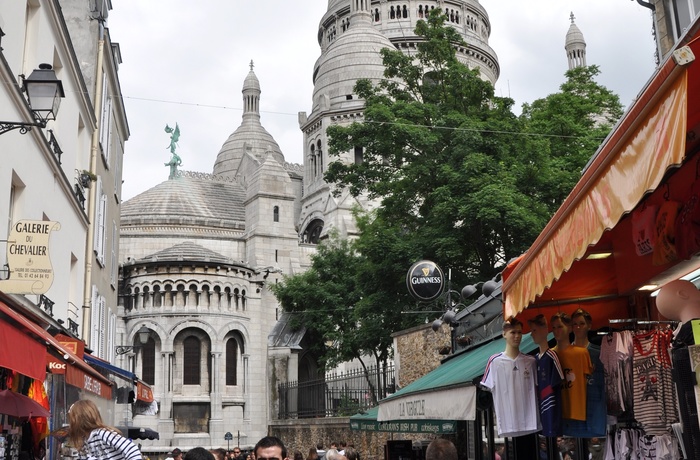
{"type": "Point", "coordinates": [417, 351]}
{"type": "Point", "coordinates": [302, 435]}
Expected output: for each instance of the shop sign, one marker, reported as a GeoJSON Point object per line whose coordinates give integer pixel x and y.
{"type": "Point", "coordinates": [453, 404]}
{"type": "Point", "coordinates": [425, 281]}
{"type": "Point", "coordinates": [418, 426]}
{"type": "Point", "coordinates": [55, 365]}
{"type": "Point", "coordinates": [28, 257]}
{"type": "Point", "coordinates": [144, 392]}
{"type": "Point", "coordinates": [82, 380]}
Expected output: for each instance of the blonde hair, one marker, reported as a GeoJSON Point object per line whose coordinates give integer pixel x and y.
{"type": "Point", "coordinates": [83, 417]}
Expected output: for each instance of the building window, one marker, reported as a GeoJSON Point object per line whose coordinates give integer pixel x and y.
{"type": "Point", "coordinates": [358, 155]}
{"type": "Point", "coordinates": [148, 366]}
{"type": "Point", "coordinates": [232, 362]}
{"type": "Point", "coordinates": [276, 214]}
{"type": "Point", "coordinates": [192, 361]}
{"type": "Point", "coordinates": [683, 14]}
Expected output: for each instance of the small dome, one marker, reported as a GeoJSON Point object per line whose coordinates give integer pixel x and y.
{"type": "Point", "coordinates": [250, 138]}
{"type": "Point", "coordinates": [574, 36]}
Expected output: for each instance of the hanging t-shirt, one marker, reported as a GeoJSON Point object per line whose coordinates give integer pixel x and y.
{"type": "Point", "coordinates": [576, 363]}
{"type": "Point", "coordinates": [654, 392]}
{"type": "Point", "coordinates": [549, 378]}
{"type": "Point", "coordinates": [616, 357]}
{"type": "Point", "coordinates": [512, 384]}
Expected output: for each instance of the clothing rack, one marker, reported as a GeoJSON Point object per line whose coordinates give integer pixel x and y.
{"type": "Point", "coordinates": [632, 322]}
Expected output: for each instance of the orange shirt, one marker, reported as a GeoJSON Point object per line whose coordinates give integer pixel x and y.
{"type": "Point", "coordinates": [577, 366]}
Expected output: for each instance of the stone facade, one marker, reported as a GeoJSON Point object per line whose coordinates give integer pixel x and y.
{"type": "Point", "coordinates": [417, 351]}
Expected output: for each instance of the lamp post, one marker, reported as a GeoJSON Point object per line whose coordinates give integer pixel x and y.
{"type": "Point", "coordinates": [44, 93]}
{"type": "Point", "coordinates": [142, 333]}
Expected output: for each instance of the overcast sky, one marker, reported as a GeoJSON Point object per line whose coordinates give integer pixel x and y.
{"type": "Point", "coordinates": [184, 62]}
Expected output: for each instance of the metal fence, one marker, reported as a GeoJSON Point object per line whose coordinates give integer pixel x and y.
{"type": "Point", "coordinates": [337, 395]}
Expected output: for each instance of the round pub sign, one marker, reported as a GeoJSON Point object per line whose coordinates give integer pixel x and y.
{"type": "Point", "coordinates": [425, 280]}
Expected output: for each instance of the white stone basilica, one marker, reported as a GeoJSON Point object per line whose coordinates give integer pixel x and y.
{"type": "Point", "coordinates": [199, 251]}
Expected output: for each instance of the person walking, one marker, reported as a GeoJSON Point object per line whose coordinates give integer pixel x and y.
{"type": "Point", "coordinates": [95, 440]}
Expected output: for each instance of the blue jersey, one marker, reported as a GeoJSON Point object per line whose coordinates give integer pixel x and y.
{"type": "Point", "coordinates": [549, 378]}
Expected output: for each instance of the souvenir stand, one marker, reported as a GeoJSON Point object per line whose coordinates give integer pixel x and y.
{"type": "Point", "coordinates": [630, 226]}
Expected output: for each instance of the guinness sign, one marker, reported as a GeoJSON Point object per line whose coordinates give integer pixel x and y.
{"type": "Point", "coordinates": [425, 281]}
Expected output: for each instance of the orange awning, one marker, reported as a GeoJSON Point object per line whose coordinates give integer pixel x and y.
{"type": "Point", "coordinates": [632, 162]}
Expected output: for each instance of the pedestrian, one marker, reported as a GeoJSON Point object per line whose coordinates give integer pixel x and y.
{"type": "Point", "coordinates": [441, 449]}
{"type": "Point", "coordinates": [219, 454]}
{"type": "Point", "coordinates": [313, 455]}
{"type": "Point", "coordinates": [298, 455]}
{"type": "Point", "coordinates": [237, 455]}
{"type": "Point", "coordinates": [270, 448]}
{"type": "Point", "coordinates": [92, 438]}
{"type": "Point", "coordinates": [198, 453]}
{"type": "Point", "coordinates": [177, 454]}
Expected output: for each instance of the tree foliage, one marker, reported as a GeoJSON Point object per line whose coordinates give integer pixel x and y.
{"type": "Point", "coordinates": [570, 125]}
{"type": "Point", "coordinates": [442, 154]}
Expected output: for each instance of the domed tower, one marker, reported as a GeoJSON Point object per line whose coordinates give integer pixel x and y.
{"type": "Point", "coordinates": [250, 139]}
{"type": "Point", "coordinates": [351, 51]}
{"type": "Point", "coordinates": [575, 46]}
{"type": "Point", "coordinates": [351, 35]}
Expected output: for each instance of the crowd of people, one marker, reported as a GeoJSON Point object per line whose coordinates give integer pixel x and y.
{"type": "Point", "coordinates": [93, 440]}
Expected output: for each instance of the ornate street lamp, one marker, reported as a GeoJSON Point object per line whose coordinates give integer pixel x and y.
{"type": "Point", "coordinates": [44, 93]}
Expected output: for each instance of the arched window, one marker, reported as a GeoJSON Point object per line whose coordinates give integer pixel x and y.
{"type": "Point", "coordinates": [392, 13]}
{"type": "Point", "coordinates": [376, 15]}
{"type": "Point", "coordinates": [405, 12]}
{"type": "Point", "coordinates": [148, 365]}
{"type": "Point", "coordinates": [192, 360]}
{"type": "Point", "coordinates": [232, 362]}
{"type": "Point", "coordinates": [276, 214]}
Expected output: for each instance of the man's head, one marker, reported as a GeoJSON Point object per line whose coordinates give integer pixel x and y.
{"type": "Point", "coordinates": [441, 449]}
{"type": "Point", "coordinates": [270, 448]}
{"type": "Point", "coordinates": [198, 453]}
{"type": "Point", "coordinates": [177, 454]}
{"type": "Point", "coordinates": [538, 328]}
{"type": "Point", "coordinates": [513, 332]}
{"type": "Point", "coordinates": [561, 326]}
{"type": "Point", "coordinates": [236, 451]}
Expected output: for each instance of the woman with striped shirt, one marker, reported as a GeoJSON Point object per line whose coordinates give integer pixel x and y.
{"type": "Point", "coordinates": [95, 440]}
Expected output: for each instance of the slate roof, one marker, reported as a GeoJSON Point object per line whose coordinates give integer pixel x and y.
{"type": "Point", "coordinates": [192, 198]}
{"type": "Point", "coordinates": [187, 251]}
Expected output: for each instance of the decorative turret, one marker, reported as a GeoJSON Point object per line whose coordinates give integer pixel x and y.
{"type": "Point", "coordinates": [575, 46]}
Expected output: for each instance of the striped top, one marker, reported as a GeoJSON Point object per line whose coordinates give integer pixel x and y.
{"type": "Point", "coordinates": [107, 445]}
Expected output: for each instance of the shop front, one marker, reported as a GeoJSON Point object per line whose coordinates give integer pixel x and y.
{"type": "Point", "coordinates": [445, 402]}
{"type": "Point", "coordinates": [630, 226]}
{"type": "Point", "coordinates": [26, 353]}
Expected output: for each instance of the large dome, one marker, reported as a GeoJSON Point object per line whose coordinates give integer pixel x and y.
{"type": "Point", "coordinates": [353, 55]}
{"type": "Point", "coordinates": [190, 199]}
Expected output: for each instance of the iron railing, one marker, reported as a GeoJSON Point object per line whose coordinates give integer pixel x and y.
{"type": "Point", "coordinates": [337, 395]}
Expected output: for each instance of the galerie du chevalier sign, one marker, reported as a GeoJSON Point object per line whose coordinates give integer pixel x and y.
{"type": "Point", "coordinates": [30, 270]}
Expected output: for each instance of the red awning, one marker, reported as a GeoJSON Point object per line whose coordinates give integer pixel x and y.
{"type": "Point", "coordinates": [632, 162]}
{"type": "Point", "coordinates": [78, 372]}
{"type": "Point", "coordinates": [21, 353]}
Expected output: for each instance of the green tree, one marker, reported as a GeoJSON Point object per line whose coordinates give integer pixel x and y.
{"type": "Point", "coordinates": [570, 125]}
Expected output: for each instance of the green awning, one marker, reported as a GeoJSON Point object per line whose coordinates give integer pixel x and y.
{"type": "Point", "coordinates": [448, 392]}
{"type": "Point", "coordinates": [368, 422]}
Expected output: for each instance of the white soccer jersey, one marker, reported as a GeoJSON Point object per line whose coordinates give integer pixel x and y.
{"type": "Point", "coordinates": [512, 383]}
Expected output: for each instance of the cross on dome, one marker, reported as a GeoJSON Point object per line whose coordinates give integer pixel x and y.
{"type": "Point", "coordinates": [572, 17]}
{"type": "Point", "coordinates": [253, 65]}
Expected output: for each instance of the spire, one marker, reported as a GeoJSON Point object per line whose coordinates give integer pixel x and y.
{"type": "Point", "coordinates": [251, 95]}
{"type": "Point", "coordinates": [575, 45]}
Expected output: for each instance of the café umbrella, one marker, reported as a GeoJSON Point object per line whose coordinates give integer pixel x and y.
{"type": "Point", "coordinates": [20, 406]}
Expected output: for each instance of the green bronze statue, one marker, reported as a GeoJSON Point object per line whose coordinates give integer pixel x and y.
{"type": "Point", "coordinates": [175, 160]}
